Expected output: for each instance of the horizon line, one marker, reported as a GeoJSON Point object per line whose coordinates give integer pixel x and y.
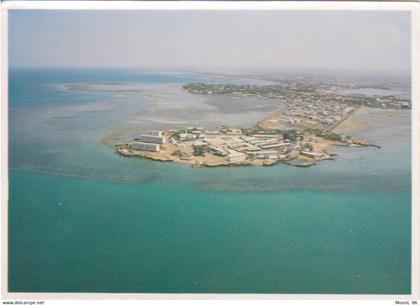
{"type": "Point", "coordinates": [224, 69]}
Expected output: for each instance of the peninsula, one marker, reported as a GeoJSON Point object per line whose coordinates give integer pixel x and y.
{"type": "Point", "coordinates": [235, 146]}
{"type": "Point", "coordinates": [300, 134]}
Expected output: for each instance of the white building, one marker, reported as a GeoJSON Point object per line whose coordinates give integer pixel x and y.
{"type": "Point", "coordinates": [145, 146]}
{"type": "Point", "coordinates": [265, 154]}
{"type": "Point", "coordinates": [152, 139]}
{"type": "Point", "coordinates": [309, 154]}
{"type": "Point", "coordinates": [212, 132]}
{"type": "Point", "coordinates": [277, 145]}
{"type": "Point", "coordinates": [236, 157]}
{"type": "Point", "coordinates": [234, 132]}
{"type": "Point", "coordinates": [217, 151]}
{"type": "Point", "coordinates": [405, 105]}
{"type": "Point", "coordinates": [266, 136]}
{"type": "Point", "coordinates": [155, 133]}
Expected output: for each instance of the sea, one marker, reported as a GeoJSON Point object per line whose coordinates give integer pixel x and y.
{"type": "Point", "coordinates": [84, 219]}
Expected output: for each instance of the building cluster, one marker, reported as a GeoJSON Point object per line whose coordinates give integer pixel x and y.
{"type": "Point", "coordinates": [234, 145]}
{"type": "Point", "coordinates": [308, 113]}
{"type": "Point", "coordinates": [231, 144]}
{"type": "Point", "coordinates": [292, 91]}
{"type": "Point", "coordinates": [150, 141]}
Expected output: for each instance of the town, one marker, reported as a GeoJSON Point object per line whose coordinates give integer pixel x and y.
{"type": "Point", "coordinates": [296, 91]}
{"type": "Point", "coordinates": [226, 146]}
{"type": "Point", "coordinates": [299, 133]}
{"type": "Point", "coordinates": [306, 106]}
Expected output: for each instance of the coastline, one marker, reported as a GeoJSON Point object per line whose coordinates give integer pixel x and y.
{"type": "Point", "coordinates": [312, 145]}
{"type": "Point", "coordinates": [362, 198]}
{"type": "Point", "coordinates": [184, 152]}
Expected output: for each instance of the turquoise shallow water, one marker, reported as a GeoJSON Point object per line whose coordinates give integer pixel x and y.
{"type": "Point", "coordinates": [85, 235]}
{"type": "Point", "coordinates": [82, 219]}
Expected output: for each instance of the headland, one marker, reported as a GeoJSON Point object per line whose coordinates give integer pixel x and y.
{"type": "Point", "coordinates": [301, 134]}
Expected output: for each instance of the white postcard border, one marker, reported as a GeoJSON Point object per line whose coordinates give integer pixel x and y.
{"type": "Point", "coordinates": [414, 8]}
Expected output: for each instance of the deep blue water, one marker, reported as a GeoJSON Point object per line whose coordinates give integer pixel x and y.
{"type": "Point", "coordinates": [84, 219]}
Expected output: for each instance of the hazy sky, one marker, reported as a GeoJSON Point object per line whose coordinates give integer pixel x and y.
{"type": "Point", "coordinates": [212, 39]}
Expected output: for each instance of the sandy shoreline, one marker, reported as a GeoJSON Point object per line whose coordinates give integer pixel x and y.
{"type": "Point", "coordinates": [167, 114]}
{"type": "Point", "coordinates": [351, 123]}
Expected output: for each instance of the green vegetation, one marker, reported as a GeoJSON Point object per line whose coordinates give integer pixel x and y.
{"type": "Point", "coordinates": [291, 135]}
{"type": "Point", "coordinates": [324, 134]}
{"type": "Point", "coordinates": [266, 91]}
{"type": "Point", "coordinates": [199, 150]}
{"type": "Point", "coordinates": [333, 136]}
{"type": "Point", "coordinates": [315, 131]}
{"type": "Point", "coordinates": [177, 133]}
{"type": "Point", "coordinates": [293, 90]}
{"type": "Point", "coordinates": [259, 130]}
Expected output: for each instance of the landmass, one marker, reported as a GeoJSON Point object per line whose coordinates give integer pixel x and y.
{"type": "Point", "coordinates": [301, 134]}
{"type": "Point", "coordinates": [296, 90]}
{"type": "Point", "coordinates": [236, 146]}
{"type": "Point", "coordinates": [307, 105]}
